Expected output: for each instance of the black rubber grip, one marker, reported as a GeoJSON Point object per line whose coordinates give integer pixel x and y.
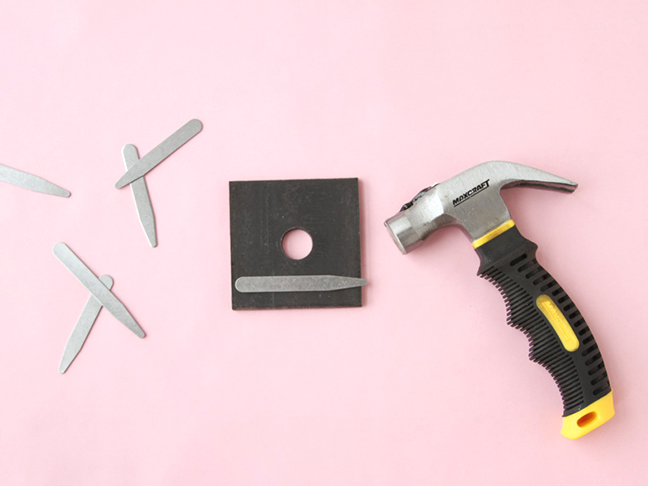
{"type": "Point", "coordinates": [508, 260]}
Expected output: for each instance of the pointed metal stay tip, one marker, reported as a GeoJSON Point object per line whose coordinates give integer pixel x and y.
{"type": "Point", "coordinates": [63, 367]}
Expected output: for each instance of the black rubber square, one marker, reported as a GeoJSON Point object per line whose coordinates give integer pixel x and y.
{"type": "Point", "coordinates": [262, 212]}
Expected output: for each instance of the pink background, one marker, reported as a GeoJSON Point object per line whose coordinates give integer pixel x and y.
{"type": "Point", "coordinates": [423, 385]}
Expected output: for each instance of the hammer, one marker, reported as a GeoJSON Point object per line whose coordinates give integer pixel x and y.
{"type": "Point", "coordinates": [559, 338]}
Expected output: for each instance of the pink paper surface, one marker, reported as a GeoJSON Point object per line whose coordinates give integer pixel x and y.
{"type": "Point", "coordinates": [425, 384]}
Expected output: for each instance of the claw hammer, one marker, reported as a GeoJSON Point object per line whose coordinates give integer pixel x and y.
{"type": "Point", "coordinates": [559, 338]}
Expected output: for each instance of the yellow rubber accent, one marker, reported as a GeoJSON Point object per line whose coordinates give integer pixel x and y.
{"type": "Point", "coordinates": [584, 421]}
{"type": "Point", "coordinates": [558, 322]}
{"type": "Point", "coordinates": [508, 224]}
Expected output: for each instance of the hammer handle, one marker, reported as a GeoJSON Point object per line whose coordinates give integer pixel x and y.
{"type": "Point", "coordinates": [559, 338]}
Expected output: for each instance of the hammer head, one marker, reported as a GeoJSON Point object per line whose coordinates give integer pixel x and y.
{"type": "Point", "coordinates": [470, 200]}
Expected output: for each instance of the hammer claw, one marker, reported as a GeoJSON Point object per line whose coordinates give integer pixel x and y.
{"type": "Point", "coordinates": [514, 175]}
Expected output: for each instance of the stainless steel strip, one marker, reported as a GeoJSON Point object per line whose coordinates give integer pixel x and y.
{"type": "Point", "coordinates": [297, 283]}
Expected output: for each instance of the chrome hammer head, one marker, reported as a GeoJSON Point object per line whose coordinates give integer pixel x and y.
{"type": "Point", "coordinates": [470, 200]}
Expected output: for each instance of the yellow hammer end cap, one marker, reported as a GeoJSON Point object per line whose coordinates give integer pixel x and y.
{"type": "Point", "coordinates": [591, 417]}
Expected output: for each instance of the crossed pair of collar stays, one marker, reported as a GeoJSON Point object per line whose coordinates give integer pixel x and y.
{"type": "Point", "coordinates": [137, 168]}
{"type": "Point", "coordinates": [100, 288]}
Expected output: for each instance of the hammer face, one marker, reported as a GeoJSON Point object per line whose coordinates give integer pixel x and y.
{"type": "Point", "coordinates": [411, 226]}
{"type": "Point", "coordinates": [470, 200]}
